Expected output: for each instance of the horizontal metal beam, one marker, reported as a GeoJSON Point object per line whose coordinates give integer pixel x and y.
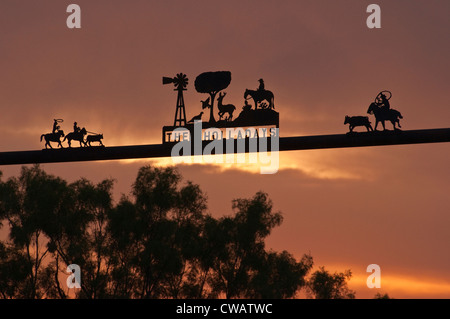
{"type": "Point", "coordinates": [285, 144]}
{"type": "Point", "coordinates": [376, 138]}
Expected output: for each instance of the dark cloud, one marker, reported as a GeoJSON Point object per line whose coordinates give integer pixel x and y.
{"type": "Point", "coordinates": [319, 59]}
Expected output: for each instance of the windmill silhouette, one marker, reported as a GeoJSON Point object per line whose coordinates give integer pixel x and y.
{"type": "Point", "coordinates": [180, 81]}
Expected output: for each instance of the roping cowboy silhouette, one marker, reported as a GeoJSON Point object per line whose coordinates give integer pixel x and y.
{"type": "Point", "coordinates": [383, 101]}
{"type": "Point", "coordinates": [381, 108]}
{"type": "Point", "coordinates": [55, 135]}
{"type": "Point", "coordinates": [56, 127]}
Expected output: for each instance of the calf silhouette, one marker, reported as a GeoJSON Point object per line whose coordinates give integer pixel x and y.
{"type": "Point", "coordinates": [355, 121]}
{"type": "Point", "coordinates": [94, 138]}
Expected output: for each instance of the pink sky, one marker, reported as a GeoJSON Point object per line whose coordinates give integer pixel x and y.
{"type": "Point", "coordinates": [348, 207]}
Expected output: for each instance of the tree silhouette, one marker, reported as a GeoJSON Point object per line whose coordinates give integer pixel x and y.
{"type": "Point", "coordinates": [212, 83]}
{"type": "Point", "coordinates": [25, 202]}
{"type": "Point", "coordinates": [323, 285]}
{"type": "Point", "coordinates": [14, 271]}
{"type": "Point", "coordinates": [381, 296]}
{"type": "Point", "coordinates": [156, 235]}
{"type": "Point", "coordinates": [239, 241]}
{"type": "Point", "coordinates": [279, 276]}
{"type": "Point", "coordinates": [159, 242]}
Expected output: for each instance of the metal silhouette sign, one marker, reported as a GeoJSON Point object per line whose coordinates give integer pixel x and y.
{"type": "Point", "coordinates": [260, 95]}
{"type": "Point", "coordinates": [222, 114]}
{"type": "Point", "coordinates": [381, 109]}
{"type": "Point", "coordinates": [355, 121]}
{"type": "Point", "coordinates": [255, 119]}
{"type": "Point", "coordinates": [180, 81]}
{"type": "Point", "coordinates": [78, 134]}
{"type": "Point", "coordinates": [53, 137]}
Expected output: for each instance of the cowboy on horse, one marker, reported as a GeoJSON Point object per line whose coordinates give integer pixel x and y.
{"type": "Point", "coordinates": [77, 135]}
{"type": "Point", "coordinates": [56, 127]}
{"type": "Point", "coordinates": [76, 128]}
{"type": "Point", "coordinates": [55, 135]}
{"type": "Point", "coordinates": [261, 85]}
{"type": "Point", "coordinates": [381, 108]}
{"type": "Point", "coordinates": [260, 95]}
{"type": "Point", "coordinates": [383, 102]}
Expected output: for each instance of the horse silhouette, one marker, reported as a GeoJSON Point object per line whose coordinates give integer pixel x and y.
{"type": "Point", "coordinates": [227, 108]}
{"type": "Point", "coordinates": [53, 137]}
{"type": "Point", "coordinates": [260, 95]}
{"type": "Point", "coordinates": [382, 115]}
{"type": "Point", "coordinates": [77, 136]}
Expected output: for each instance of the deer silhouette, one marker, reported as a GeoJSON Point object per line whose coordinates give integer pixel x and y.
{"type": "Point", "coordinates": [227, 108]}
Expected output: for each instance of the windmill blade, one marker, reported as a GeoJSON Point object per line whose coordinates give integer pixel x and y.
{"type": "Point", "coordinates": [181, 80]}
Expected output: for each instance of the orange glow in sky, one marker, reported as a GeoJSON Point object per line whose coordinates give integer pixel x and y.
{"type": "Point", "coordinates": [353, 207]}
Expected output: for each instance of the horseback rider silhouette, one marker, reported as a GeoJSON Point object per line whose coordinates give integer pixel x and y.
{"type": "Point", "coordinates": [55, 126]}
{"type": "Point", "coordinates": [261, 85]}
{"type": "Point", "coordinates": [381, 108]}
{"type": "Point", "coordinates": [384, 103]}
{"type": "Point", "coordinates": [76, 128]}
{"type": "Point", "coordinates": [259, 95]}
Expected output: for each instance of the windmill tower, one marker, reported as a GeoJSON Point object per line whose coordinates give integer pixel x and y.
{"type": "Point", "coordinates": [180, 81]}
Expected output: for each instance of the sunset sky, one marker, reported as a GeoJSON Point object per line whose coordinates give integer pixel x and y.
{"type": "Point", "coordinates": [349, 207]}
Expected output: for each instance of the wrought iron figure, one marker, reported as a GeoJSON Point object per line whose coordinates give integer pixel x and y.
{"type": "Point", "coordinates": [260, 95]}
{"type": "Point", "coordinates": [180, 81]}
{"type": "Point", "coordinates": [53, 137]}
{"type": "Point", "coordinates": [94, 138]}
{"type": "Point", "coordinates": [383, 101]}
{"type": "Point", "coordinates": [212, 83]}
{"type": "Point", "coordinates": [246, 106]}
{"type": "Point", "coordinates": [382, 110]}
{"type": "Point", "coordinates": [196, 118]}
{"type": "Point", "coordinates": [227, 108]}
{"type": "Point", "coordinates": [56, 127]}
{"type": "Point", "coordinates": [77, 135]}
{"type": "Point", "coordinates": [261, 85]}
{"type": "Point", "coordinates": [76, 128]}
{"type": "Point", "coordinates": [205, 104]}
{"type": "Point", "coordinates": [355, 121]}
